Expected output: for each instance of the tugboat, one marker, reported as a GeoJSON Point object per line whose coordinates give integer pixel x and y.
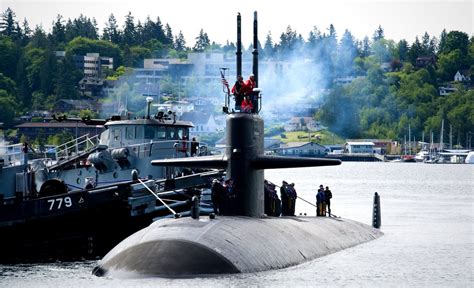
{"type": "Point", "coordinates": [96, 190]}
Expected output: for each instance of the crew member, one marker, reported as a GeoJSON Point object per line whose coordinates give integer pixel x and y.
{"type": "Point", "coordinates": [248, 91]}
{"type": "Point", "coordinates": [328, 196]}
{"type": "Point", "coordinates": [194, 147]}
{"type": "Point", "coordinates": [217, 191]}
{"type": "Point", "coordinates": [284, 199]}
{"type": "Point", "coordinates": [291, 199]}
{"type": "Point", "coordinates": [247, 106]}
{"type": "Point", "coordinates": [238, 91]}
{"type": "Point", "coordinates": [320, 200]}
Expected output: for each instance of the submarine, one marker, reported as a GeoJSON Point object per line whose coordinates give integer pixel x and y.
{"type": "Point", "coordinates": [246, 240]}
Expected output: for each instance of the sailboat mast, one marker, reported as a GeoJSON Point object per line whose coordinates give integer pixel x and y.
{"type": "Point", "coordinates": [441, 143]}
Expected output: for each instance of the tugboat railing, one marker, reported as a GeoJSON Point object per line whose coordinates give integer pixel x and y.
{"type": "Point", "coordinates": [82, 144]}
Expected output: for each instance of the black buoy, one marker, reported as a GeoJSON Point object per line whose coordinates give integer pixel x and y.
{"type": "Point", "coordinates": [376, 217]}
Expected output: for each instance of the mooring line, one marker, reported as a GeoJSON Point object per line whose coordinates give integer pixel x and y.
{"type": "Point", "coordinates": [157, 197]}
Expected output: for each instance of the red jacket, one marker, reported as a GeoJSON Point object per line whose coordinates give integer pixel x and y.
{"type": "Point", "coordinates": [248, 86]}
{"type": "Point", "coordinates": [247, 106]}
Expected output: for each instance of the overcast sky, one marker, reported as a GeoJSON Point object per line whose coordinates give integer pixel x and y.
{"type": "Point", "coordinates": [400, 19]}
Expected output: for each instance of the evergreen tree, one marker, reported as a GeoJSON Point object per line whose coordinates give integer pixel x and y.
{"type": "Point", "coordinates": [442, 41]}
{"type": "Point", "coordinates": [425, 44]}
{"type": "Point", "coordinates": [268, 48]}
{"type": "Point", "coordinates": [8, 25]}
{"type": "Point", "coordinates": [169, 35]}
{"type": "Point", "coordinates": [378, 34]}
{"type": "Point", "coordinates": [129, 33]}
{"type": "Point", "coordinates": [111, 30]}
{"type": "Point", "coordinates": [180, 43]}
{"type": "Point", "coordinates": [416, 50]}
{"type": "Point", "coordinates": [346, 54]}
{"type": "Point", "coordinates": [202, 42]}
{"type": "Point", "coordinates": [26, 30]}
{"type": "Point", "coordinates": [402, 50]}
{"type": "Point", "coordinates": [58, 33]}
{"type": "Point", "coordinates": [365, 49]}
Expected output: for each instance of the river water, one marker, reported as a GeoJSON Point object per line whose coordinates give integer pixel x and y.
{"type": "Point", "coordinates": [427, 218]}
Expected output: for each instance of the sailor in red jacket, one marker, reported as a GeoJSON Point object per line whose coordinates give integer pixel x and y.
{"type": "Point", "coordinates": [247, 106]}
{"type": "Point", "coordinates": [248, 90]}
{"type": "Point", "coordinates": [249, 85]}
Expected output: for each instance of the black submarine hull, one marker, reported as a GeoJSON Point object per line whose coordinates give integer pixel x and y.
{"type": "Point", "coordinates": [175, 248]}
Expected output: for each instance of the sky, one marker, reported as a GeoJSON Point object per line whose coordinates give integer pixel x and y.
{"type": "Point", "coordinates": [401, 19]}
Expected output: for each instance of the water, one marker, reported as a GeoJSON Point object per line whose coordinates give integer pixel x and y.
{"type": "Point", "coordinates": [427, 218]}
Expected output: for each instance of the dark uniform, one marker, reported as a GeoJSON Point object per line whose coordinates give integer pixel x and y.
{"type": "Point", "coordinates": [194, 147]}
{"type": "Point", "coordinates": [328, 196]}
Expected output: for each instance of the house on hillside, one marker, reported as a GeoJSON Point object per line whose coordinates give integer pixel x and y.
{"type": "Point", "coordinates": [461, 77]}
{"type": "Point", "coordinates": [203, 123]}
{"type": "Point", "coordinates": [303, 149]}
{"type": "Point", "coordinates": [443, 91]}
{"type": "Point", "coordinates": [303, 124]}
{"type": "Point", "coordinates": [425, 61]}
{"type": "Point", "coordinates": [180, 107]}
{"type": "Point", "coordinates": [68, 105]}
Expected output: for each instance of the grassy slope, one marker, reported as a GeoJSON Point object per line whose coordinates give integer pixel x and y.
{"type": "Point", "coordinates": [326, 137]}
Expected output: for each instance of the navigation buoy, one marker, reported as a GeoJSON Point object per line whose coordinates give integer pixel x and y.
{"type": "Point", "coordinates": [376, 217]}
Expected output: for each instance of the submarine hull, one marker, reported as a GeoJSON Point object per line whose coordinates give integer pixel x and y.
{"type": "Point", "coordinates": [185, 247]}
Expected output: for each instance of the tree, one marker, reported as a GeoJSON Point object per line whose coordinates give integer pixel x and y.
{"type": "Point", "coordinates": [202, 42]}
{"type": "Point", "coordinates": [58, 34]}
{"type": "Point", "coordinates": [456, 40]}
{"type": "Point", "coordinates": [8, 25]}
{"type": "Point", "coordinates": [378, 34]}
{"type": "Point", "coordinates": [9, 56]}
{"type": "Point", "coordinates": [449, 63]}
{"type": "Point", "coordinates": [365, 49]}
{"type": "Point", "coordinates": [111, 32]}
{"type": "Point", "coordinates": [416, 50]}
{"type": "Point", "coordinates": [81, 27]}
{"type": "Point", "coordinates": [129, 33]}
{"type": "Point", "coordinates": [8, 106]}
{"type": "Point", "coordinates": [442, 41]}
{"type": "Point", "coordinates": [347, 53]}
{"type": "Point", "coordinates": [169, 35]}
{"type": "Point", "coordinates": [179, 42]}
{"type": "Point", "coordinates": [402, 50]}
{"type": "Point", "coordinates": [7, 84]}
{"type": "Point", "coordinates": [268, 48]}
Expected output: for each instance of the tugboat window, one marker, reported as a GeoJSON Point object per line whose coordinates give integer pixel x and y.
{"type": "Point", "coordinates": [161, 133]}
{"type": "Point", "coordinates": [171, 133]}
{"type": "Point", "coordinates": [116, 134]}
{"type": "Point", "coordinates": [139, 132]}
{"type": "Point", "coordinates": [130, 132]}
{"type": "Point", "coordinates": [180, 133]}
{"type": "Point", "coordinates": [149, 132]}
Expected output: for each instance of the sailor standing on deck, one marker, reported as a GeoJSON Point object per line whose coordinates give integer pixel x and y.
{"type": "Point", "coordinates": [320, 202]}
{"type": "Point", "coordinates": [328, 196]}
{"type": "Point", "coordinates": [238, 91]}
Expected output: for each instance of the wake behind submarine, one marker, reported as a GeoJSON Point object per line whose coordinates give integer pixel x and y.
{"type": "Point", "coordinates": [248, 240]}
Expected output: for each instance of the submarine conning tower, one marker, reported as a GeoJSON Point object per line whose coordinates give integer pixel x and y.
{"type": "Point", "coordinates": [244, 159]}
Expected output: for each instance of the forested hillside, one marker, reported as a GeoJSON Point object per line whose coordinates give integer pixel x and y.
{"type": "Point", "coordinates": [388, 87]}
